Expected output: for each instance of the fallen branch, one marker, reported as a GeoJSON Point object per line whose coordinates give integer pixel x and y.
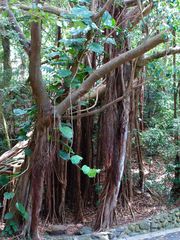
{"type": "Point", "coordinates": [18, 148]}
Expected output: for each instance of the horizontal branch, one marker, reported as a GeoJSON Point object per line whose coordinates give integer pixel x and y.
{"type": "Point", "coordinates": [107, 68]}
{"type": "Point", "coordinates": [59, 11]}
{"type": "Point", "coordinates": [104, 107]}
{"type": "Point", "coordinates": [46, 8]}
{"type": "Point", "coordinates": [143, 61]}
{"type": "Point", "coordinates": [22, 39]}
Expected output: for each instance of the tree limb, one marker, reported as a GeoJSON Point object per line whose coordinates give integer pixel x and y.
{"type": "Point", "coordinates": [22, 39]}
{"type": "Point", "coordinates": [35, 75]}
{"type": "Point", "coordinates": [107, 68]}
{"type": "Point", "coordinates": [143, 61]}
{"type": "Point", "coordinates": [46, 8]}
{"type": "Point", "coordinates": [59, 11]}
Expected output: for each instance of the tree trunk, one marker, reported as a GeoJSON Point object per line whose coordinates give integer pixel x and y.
{"type": "Point", "coordinates": [115, 144]}
{"type": "Point", "coordinates": [7, 69]}
{"type": "Point", "coordinates": [175, 191]}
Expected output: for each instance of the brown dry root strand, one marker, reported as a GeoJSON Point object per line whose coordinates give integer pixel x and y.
{"type": "Point", "coordinates": [106, 211]}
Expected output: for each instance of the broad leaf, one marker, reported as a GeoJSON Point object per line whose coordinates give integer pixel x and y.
{"type": "Point", "coordinates": [92, 173]}
{"type": "Point", "coordinates": [85, 169]}
{"type": "Point", "coordinates": [81, 12]}
{"type": "Point", "coordinates": [19, 112]}
{"type": "Point", "coordinates": [108, 21]}
{"type": "Point", "coordinates": [73, 42]}
{"type": "Point", "coordinates": [64, 155]}
{"type": "Point", "coordinates": [3, 180]}
{"type": "Point", "coordinates": [96, 47]}
{"type": "Point", "coordinates": [110, 41]}
{"type": "Point", "coordinates": [28, 152]}
{"type": "Point", "coordinates": [64, 73]}
{"type": "Point", "coordinates": [8, 216]}
{"type": "Point", "coordinates": [76, 159]}
{"type": "Point", "coordinates": [8, 195]}
{"type": "Point", "coordinates": [22, 210]}
{"type": "Point", "coordinates": [66, 131]}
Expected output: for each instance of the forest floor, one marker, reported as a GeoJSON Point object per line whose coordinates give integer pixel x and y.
{"type": "Point", "coordinates": [143, 205]}
{"type": "Point", "coordinates": [153, 200]}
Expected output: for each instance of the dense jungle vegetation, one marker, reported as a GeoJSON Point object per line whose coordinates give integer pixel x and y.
{"type": "Point", "coordinates": [89, 112]}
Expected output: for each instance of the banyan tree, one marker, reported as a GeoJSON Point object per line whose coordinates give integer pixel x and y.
{"type": "Point", "coordinates": [81, 137]}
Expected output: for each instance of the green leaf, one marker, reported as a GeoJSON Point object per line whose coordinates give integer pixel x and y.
{"type": "Point", "coordinates": [108, 21]}
{"type": "Point", "coordinates": [3, 180]}
{"type": "Point", "coordinates": [73, 42]}
{"type": "Point", "coordinates": [76, 159]}
{"type": "Point", "coordinates": [8, 216]}
{"type": "Point", "coordinates": [8, 195]}
{"type": "Point", "coordinates": [28, 152]}
{"type": "Point", "coordinates": [92, 173]}
{"type": "Point", "coordinates": [64, 73]}
{"type": "Point", "coordinates": [85, 169]}
{"type": "Point", "coordinates": [110, 41]}
{"type": "Point", "coordinates": [53, 54]}
{"type": "Point", "coordinates": [64, 155]}
{"type": "Point", "coordinates": [13, 225]}
{"type": "Point", "coordinates": [19, 112]}
{"type": "Point", "coordinates": [66, 131]}
{"type": "Point", "coordinates": [96, 47]}
{"type": "Point", "coordinates": [26, 215]}
{"type": "Point", "coordinates": [22, 210]}
{"type": "Point", "coordinates": [81, 12]}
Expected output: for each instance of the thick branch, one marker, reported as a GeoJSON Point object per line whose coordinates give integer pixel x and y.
{"type": "Point", "coordinates": [147, 59]}
{"type": "Point", "coordinates": [26, 45]}
{"type": "Point", "coordinates": [46, 8]}
{"type": "Point", "coordinates": [107, 68]}
{"type": "Point", "coordinates": [35, 75]}
{"type": "Point", "coordinates": [59, 11]}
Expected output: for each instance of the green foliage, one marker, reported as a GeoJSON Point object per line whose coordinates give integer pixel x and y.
{"type": "Point", "coordinates": [66, 131]}
{"type": "Point", "coordinates": [107, 20]}
{"type": "Point", "coordinates": [11, 226]}
{"type": "Point", "coordinates": [90, 172]}
{"type": "Point", "coordinates": [76, 159]}
{"type": "Point", "coordinates": [9, 195]}
{"type": "Point", "coordinates": [8, 216]}
{"type": "Point", "coordinates": [4, 179]}
{"type": "Point", "coordinates": [68, 154]}
{"type": "Point", "coordinates": [20, 112]}
{"type": "Point", "coordinates": [22, 211]}
{"type": "Point", "coordinates": [96, 47]}
{"type": "Point", "coordinates": [64, 155]}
